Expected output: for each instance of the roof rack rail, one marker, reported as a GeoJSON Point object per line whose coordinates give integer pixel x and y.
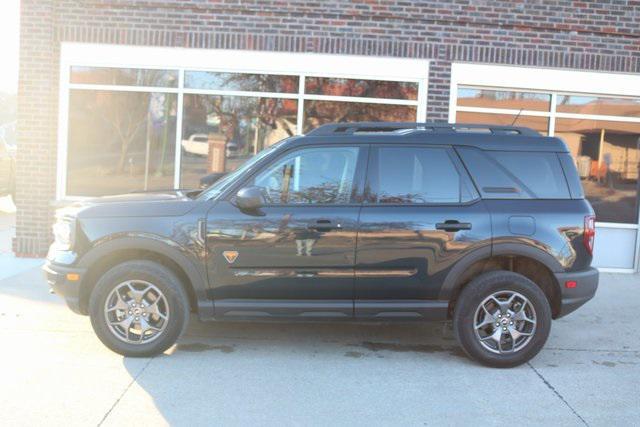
{"type": "Point", "coordinates": [335, 129]}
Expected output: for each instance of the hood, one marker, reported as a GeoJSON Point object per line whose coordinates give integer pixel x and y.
{"type": "Point", "coordinates": [151, 204]}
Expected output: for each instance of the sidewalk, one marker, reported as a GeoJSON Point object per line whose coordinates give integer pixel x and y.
{"type": "Point", "coordinates": [9, 264]}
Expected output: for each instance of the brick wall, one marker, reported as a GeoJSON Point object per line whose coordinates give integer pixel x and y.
{"type": "Point", "coordinates": [37, 124]}
{"type": "Point", "coordinates": [591, 35]}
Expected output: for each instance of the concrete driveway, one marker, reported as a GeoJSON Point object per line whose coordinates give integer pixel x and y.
{"type": "Point", "coordinates": [54, 371]}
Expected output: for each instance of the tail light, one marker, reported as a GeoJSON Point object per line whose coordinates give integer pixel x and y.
{"type": "Point", "coordinates": [589, 235]}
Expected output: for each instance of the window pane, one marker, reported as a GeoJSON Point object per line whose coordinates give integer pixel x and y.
{"type": "Point", "coordinates": [320, 112]}
{"type": "Point", "coordinates": [576, 104]}
{"type": "Point", "coordinates": [237, 81]}
{"type": "Point", "coordinates": [415, 175]}
{"type": "Point", "coordinates": [486, 98]}
{"type": "Point", "coordinates": [124, 76]}
{"type": "Point", "coordinates": [314, 175]}
{"type": "Point", "coordinates": [607, 155]}
{"type": "Point", "coordinates": [540, 173]}
{"type": "Point", "coordinates": [220, 132]}
{"type": "Point", "coordinates": [120, 142]}
{"type": "Point", "coordinates": [540, 124]}
{"type": "Point", "coordinates": [361, 88]}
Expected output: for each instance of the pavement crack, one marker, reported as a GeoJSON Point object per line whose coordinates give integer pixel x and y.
{"type": "Point", "coordinates": [557, 393]}
{"type": "Point", "coordinates": [133, 380]}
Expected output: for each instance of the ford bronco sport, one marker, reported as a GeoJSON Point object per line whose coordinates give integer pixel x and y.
{"type": "Point", "coordinates": [484, 225]}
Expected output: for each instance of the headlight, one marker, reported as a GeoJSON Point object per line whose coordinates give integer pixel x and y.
{"type": "Point", "coordinates": [63, 233]}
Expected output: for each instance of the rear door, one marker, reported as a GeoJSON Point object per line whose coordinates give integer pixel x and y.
{"type": "Point", "coordinates": [421, 215]}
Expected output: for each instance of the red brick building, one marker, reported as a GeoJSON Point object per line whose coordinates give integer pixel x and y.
{"type": "Point", "coordinates": [122, 95]}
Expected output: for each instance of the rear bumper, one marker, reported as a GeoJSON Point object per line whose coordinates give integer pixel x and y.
{"type": "Point", "coordinates": [585, 289]}
{"type": "Point", "coordinates": [56, 276]}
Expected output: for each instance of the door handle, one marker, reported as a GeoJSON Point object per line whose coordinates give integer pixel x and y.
{"type": "Point", "coordinates": [453, 225]}
{"type": "Point", "coordinates": [323, 224]}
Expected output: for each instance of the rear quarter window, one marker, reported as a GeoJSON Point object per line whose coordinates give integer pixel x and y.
{"type": "Point", "coordinates": [571, 173]}
{"type": "Point", "coordinates": [516, 174]}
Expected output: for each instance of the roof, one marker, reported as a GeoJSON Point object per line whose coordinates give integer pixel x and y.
{"type": "Point", "coordinates": [487, 137]}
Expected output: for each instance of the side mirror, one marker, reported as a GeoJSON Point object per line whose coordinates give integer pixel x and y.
{"type": "Point", "coordinates": [250, 198]}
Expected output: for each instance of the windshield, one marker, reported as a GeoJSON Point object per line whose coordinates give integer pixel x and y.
{"type": "Point", "coordinates": [221, 185]}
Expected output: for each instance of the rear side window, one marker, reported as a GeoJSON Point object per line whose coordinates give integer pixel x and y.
{"type": "Point", "coordinates": [516, 174]}
{"type": "Point", "coordinates": [414, 175]}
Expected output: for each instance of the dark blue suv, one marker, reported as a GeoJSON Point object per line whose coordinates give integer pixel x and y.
{"type": "Point", "coordinates": [484, 225]}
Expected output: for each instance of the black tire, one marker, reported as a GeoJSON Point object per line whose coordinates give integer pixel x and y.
{"type": "Point", "coordinates": [475, 293]}
{"type": "Point", "coordinates": [161, 277]}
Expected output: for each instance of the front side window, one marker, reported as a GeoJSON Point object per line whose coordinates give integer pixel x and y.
{"type": "Point", "coordinates": [323, 175]}
{"type": "Point", "coordinates": [414, 175]}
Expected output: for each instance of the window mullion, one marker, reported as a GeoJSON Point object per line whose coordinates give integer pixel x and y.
{"type": "Point", "coordinates": [300, 117]}
{"type": "Point", "coordinates": [178, 142]}
{"type": "Point", "coordinates": [552, 118]}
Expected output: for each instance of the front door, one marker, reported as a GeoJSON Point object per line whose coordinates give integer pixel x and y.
{"type": "Point", "coordinates": [295, 255]}
{"type": "Point", "coordinates": [421, 215]}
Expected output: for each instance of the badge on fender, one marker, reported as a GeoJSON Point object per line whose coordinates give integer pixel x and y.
{"type": "Point", "coordinates": [230, 256]}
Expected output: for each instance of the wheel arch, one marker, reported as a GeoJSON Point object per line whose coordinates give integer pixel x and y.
{"type": "Point", "coordinates": [111, 253]}
{"type": "Point", "coordinates": [533, 263]}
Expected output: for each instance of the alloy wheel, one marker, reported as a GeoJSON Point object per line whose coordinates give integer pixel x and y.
{"type": "Point", "coordinates": [136, 312]}
{"type": "Point", "coordinates": [505, 322]}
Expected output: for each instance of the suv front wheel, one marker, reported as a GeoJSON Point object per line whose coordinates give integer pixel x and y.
{"type": "Point", "coordinates": [139, 308]}
{"type": "Point", "coordinates": [502, 319]}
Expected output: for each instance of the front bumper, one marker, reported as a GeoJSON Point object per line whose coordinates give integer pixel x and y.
{"type": "Point", "coordinates": [586, 284]}
{"type": "Point", "coordinates": [57, 278]}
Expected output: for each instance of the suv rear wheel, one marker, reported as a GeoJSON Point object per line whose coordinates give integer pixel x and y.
{"type": "Point", "coordinates": [139, 308]}
{"type": "Point", "coordinates": [502, 319]}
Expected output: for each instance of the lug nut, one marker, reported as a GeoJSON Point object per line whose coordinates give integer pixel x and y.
{"type": "Point", "coordinates": [499, 316]}
{"type": "Point", "coordinates": [511, 323]}
{"type": "Point", "coordinates": [508, 315]}
{"type": "Point", "coordinates": [504, 329]}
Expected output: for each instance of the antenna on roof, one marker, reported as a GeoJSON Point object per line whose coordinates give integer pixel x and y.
{"type": "Point", "coordinates": [516, 118]}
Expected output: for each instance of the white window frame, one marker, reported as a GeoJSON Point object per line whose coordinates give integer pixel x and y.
{"type": "Point", "coordinates": [555, 82]}
{"type": "Point", "coordinates": [240, 61]}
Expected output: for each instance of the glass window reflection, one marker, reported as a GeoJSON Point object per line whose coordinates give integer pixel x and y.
{"type": "Point", "coordinates": [487, 98]}
{"type": "Point", "coordinates": [540, 124]}
{"type": "Point", "coordinates": [361, 88]}
{"type": "Point", "coordinates": [241, 82]}
{"type": "Point", "coordinates": [124, 76]}
{"type": "Point", "coordinates": [607, 155]}
{"type": "Point", "coordinates": [221, 132]}
{"type": "Point", "coordinates": [317, 113]}
{"type": "Point", "coordinates": [120, 142]}
{"type": "Point", "coordinates": [581, 104]}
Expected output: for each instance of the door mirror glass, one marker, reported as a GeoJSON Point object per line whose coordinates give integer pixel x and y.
{"type": "Point", "coordinates": [250, 198]}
